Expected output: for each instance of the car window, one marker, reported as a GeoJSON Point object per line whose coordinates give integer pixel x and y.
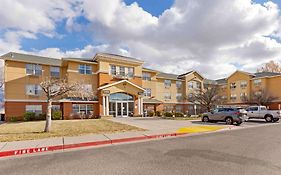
{"type": "Point", "coordinates": [220, 110]}
{"type": "Point", "coordinates": [252, 109]}
{"type": "Point", "coordinates": [263, 108]}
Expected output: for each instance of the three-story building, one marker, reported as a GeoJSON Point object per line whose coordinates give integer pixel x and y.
{"type": "Point", "coordinates": [123, 87]}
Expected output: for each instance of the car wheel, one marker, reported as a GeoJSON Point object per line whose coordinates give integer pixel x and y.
{"type": "Point", "coordinates": [276, 120]}
{"type": "Point", "coordinates": [268, 118]}
{"type": "Point", "coordinates": [229, 121]}
{"type": "Point", "coordinates": [238, 123]}
{"type": "Point", "coordinates": [205, 119]}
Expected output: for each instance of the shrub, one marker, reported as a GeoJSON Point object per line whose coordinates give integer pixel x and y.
{"type": "Point", "coordinates": [29, 116]}
{"type": "Point", "coordinates": [158, 113]}
{"type": "Point", "coordinates": [168, 114]}
{"type": "Point", "coordinates": [56, 115]}
{"type": "Point", "coordinates": [179, 114]}
{"type": "Point", "coordinates": [13, 119]}
{"type": "Point", "coordinates": [40, 117]}
{"type": "Point", "coordinates": [151, 114]}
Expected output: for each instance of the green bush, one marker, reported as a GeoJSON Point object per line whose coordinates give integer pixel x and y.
{"type": "Point", "coordinates": [13, 119]}
{"type": "Point", "coordinates": [168, 114]}
{"type": "Point", "coordinates": [158, 113]}
{"type": "Point", "coordinates": [179, 114]}
{"type": "Point", "coordinates": [40, 117]}
{"type": "Point", "coordinates": [29, 116]}
{"type": "Point", "coordinates": [56, 115]}
{"type": "Point", "coordinates": [151, 114]}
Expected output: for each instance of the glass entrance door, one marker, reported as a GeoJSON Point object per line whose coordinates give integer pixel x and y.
{"type": "Point", "coordinates": [122, 109]}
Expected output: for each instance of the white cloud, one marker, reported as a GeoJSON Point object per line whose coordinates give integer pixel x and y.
{"type": "Point", "coordinates": [214, 37]}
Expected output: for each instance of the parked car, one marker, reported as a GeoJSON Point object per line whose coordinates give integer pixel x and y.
{"type": "Point", "coordinates": [261, 112]}
{"type": "Point", "coordinates": [228, 115]}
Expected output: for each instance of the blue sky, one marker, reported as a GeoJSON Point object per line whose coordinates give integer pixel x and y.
{"type": "Point", "coordinates": [73, 40]}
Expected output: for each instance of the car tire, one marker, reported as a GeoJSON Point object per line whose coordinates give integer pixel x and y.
{"type": "Point", "coordinates": [205, 119]}
{"type": "Point", "coordinates": [229, 121]}
{"type": "Point", "coordinates": [238, 123]}
{"type": "Point", "coordinates": [268, 118]}
{"type": "Point", "coordinates": [276, 120]}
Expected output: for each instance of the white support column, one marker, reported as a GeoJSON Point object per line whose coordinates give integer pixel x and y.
{"type": "Point", "coordinates": [103, 105]}
{"type": "Point", "coordinates": [139, 110]}
{"type": "Point", "coordinates": [107, 105]}
{"type": "Point", "coordinates": [141, 106]}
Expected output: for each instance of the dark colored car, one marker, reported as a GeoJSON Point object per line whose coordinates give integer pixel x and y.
{"type": "Point", "coordinates": [228, 115]}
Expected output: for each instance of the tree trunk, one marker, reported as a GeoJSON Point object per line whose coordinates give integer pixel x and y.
{"type": "Point", "coordinates": [48, 117]}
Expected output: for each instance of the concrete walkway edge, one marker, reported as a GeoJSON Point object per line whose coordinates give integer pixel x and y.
{"type": "Point", "coordinates": [63, 146]}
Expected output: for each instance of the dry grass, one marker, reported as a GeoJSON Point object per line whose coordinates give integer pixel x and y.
{"type": "Point", "coordinates": [34, 130]}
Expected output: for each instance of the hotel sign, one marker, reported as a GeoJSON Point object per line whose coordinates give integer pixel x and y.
{"type": "Point", "coordinates": [106, 92]}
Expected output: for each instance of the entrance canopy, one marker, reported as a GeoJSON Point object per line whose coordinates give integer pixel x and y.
{"type": "Point", "coordinates": [124, 86]}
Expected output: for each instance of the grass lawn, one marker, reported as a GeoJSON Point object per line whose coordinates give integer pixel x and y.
{"type": "Point", "coordinates": [34, 130]}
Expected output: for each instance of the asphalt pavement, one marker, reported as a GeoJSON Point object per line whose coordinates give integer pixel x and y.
{"type": "Point", "coordinates": [249, 151]}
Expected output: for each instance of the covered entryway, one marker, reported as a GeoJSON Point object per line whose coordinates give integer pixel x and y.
{"type": "Point", "coordinates": [121, 105]}
{"type": "Point", "coordinates": [121, 99]}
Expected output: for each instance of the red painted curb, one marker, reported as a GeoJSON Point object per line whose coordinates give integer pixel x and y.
{"type": "Point", "coordinates": [85, 144]}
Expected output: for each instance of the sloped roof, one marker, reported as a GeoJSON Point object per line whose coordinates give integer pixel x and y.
{"type": "Point", "coordinates": [266, 74]}
{"type": "Point", "coordinates": [167, 75]}
{"type": "Point", "coordinates": [221, 81]}
{"type": "Point", "coordinates": [31, 59]}
{"type": "Point", "coordinates": [120, 57]}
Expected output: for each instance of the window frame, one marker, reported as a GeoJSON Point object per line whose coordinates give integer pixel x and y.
{"type": "Point", "coordinates": [85, 69]}
{"type": "Point", "coordinates": [55, 73]}
{"type": "Point", "coordinates": [146, 76]}
{"type": "Point", "coordinates": [167, 83]}
{"type": "Point", "coordinates": [147, 92]}
{"type": "Point", "coordinates": [33, 69]}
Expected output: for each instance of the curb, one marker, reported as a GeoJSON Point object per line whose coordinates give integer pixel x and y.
{"type": "Point", "coordinates": [85, 144]}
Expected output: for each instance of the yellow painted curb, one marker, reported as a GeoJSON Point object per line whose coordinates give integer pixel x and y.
{"type": "Point", "coordinates": [197, 129]}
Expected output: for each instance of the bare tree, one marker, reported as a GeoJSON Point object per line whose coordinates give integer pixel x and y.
{"type": "Point", "coordinates": [59, 88]}
{"type": "Point", "coordinates": [271, 66]}
{"type": "Point", "coordinates": [208, 98]}
{"type": "Point", "coordinates": [261, 98]}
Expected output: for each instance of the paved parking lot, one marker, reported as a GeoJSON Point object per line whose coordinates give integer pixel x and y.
{"type": "Point", "coordinates": [158, 124]}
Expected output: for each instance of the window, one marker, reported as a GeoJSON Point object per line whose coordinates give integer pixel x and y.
{"type": "Point", "coordinates": [190, 85]}
{"type": "Point", "coordinates": [198, 85]}
{"type": "Point", "coordinates": [190, 96]}
{"type": "Point", "coordinates": [87, 88]}
{"type": "Point", "coordinates": [37, 109]}
{"type": "Point", "coordinates": [224, 97]}
{"type": "Point", "coordinates": [147, 92]}
{"type": "Point", "coordinates": [243, 96]}
{"type": "Point", "coordinates": [113, 70]}
{"type": "Point", "coordinates": [179, 96]}
{"type": "Point", "coordinates": [253, 109]}
{"type": "Point", "coordinates": [233, 97]}
{"type": "Point", "coordinates": [82, 108]}
{"type": "Point", "coordinates": [33, 69]}
{"type": "Point", "coordinates": [257, 82]}
{"type": "Point", "coordinates": [168, 108]}
{"type": "Point", "coordinates": [33, 89]}
{"type": "Point", "coordinates": [122, 70]}
{"type": "Point", "coordinates": [130, 72]}
{"type": "Point", "coordinates": [146, 76]}
{"type": "Point", "coordinates": [167, 96]}
{"type": "Point", "coordinates": [232, 86]}
{"type": "Point", "coordinates": [85, 69]}
{"type": "Point", "coordinates": [55, 71]}
{"type": "Point", "coordinates": [167, 83]}
{"type": "Point", "coordinates": [55, 107]}
{"type": "Point", "coordinates": [178, 108]}
{"type": "Point", "coordinates": [263, 108]}
{"type": "Point", "coordinates": [243, 84]}
{"type": "Point", "coordinates": [178, 84]}
{"type": "Point", "coordinates": [258, 93]}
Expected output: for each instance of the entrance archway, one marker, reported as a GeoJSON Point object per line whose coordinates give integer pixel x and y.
{"type": "Point", "coordinates": [121, 104]}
